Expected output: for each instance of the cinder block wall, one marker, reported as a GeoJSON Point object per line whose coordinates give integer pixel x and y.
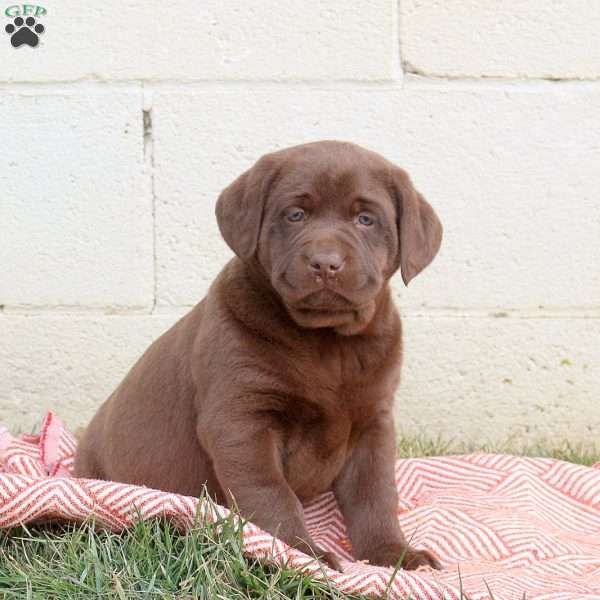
{"type": "Point", "coordinates": [119, 130]}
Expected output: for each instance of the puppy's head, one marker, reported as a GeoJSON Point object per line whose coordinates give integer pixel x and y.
{"type": "Point", "coordinates": [330, 223]}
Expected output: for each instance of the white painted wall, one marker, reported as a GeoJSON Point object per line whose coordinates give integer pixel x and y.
{"type": "Point", "coordinates": [107, 232]}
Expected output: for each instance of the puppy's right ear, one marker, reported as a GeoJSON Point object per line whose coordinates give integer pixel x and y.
{"type": "Point", "coordinates": [241, 205]}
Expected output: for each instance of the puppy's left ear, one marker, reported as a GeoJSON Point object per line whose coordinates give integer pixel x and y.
{"type": "Point", "coordinates": [240, 206]}
{"type": "Point", "coordinates": [419, 228]}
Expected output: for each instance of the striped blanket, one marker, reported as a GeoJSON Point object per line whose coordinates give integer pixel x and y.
{"type": "Point", "coordinates": [520, 527]}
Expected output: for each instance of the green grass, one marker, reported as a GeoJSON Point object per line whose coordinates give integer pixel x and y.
{"type": "Point", "coordinates": [154, 560]}
{"type": "Point", "coordinates": [415, 446]}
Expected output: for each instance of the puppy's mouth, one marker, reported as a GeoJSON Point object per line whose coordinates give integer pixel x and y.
{"type": "Point", "coordinates": [324, 308]}
{"type": "Point", "coordinates": [324, 294]}
{"type": "Point", "coordinates": [325, 300]}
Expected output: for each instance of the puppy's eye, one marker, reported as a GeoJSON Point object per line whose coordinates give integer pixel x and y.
{"type": "Point", "coordinates": [365, 219]}
{"type": "Point", "coordinates": [295, 215]}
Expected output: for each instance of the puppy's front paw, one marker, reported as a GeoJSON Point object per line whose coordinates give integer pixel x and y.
{"type": "Point", "coordinates": [388, 556]}
{"type": "Point", "coordinates": [330, 559]}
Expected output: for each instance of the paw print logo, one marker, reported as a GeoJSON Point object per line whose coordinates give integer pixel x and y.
{"type": "Point", "coordinates": [24, 32]}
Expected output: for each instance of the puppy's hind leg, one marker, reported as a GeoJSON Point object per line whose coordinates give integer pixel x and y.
{"type": "Point", "coordinates": [86, 464]}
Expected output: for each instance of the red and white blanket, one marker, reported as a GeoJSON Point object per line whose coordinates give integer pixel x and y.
{"type": "Point", "coordinates": [520, 527]}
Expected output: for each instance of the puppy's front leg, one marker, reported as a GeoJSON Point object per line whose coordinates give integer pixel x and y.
{"type": "Point", "coordinates": [366, 493]}
{"type": "Point", "coordinates": [248, 466]}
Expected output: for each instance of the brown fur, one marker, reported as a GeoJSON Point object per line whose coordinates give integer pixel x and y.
{"type": "Point", "coordinates": [279, 384]}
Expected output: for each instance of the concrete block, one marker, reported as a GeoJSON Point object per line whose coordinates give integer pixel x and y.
{"type": "Point", "coordinates": [68, 364]}
{"type": "Point", "coordinates": [151, 40]}
{"type": "Point", "coordinates": [486, 38]}
{"type": "Point", "coordinates": [491, 379]}
{"type": "Point", "coordinates": [76, 207]}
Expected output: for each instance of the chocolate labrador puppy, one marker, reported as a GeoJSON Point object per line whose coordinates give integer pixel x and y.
{"type": "Point", "coordinates": [279, 384]}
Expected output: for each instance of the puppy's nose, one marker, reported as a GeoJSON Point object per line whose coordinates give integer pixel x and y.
{"type": "Point", "coordinates": [328, 264]}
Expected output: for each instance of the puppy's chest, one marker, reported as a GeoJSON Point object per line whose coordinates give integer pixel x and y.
{"type": "Point", "coordinates": [323, 424]}
{"type": "Point", "coordinates": [351, 378]}
{"type": "Point", "coordinates": [335, 387]}
{"type": "Point", "coordinates": [314, 450]}
{"type": "Point", "coordinates": [339, 363]}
